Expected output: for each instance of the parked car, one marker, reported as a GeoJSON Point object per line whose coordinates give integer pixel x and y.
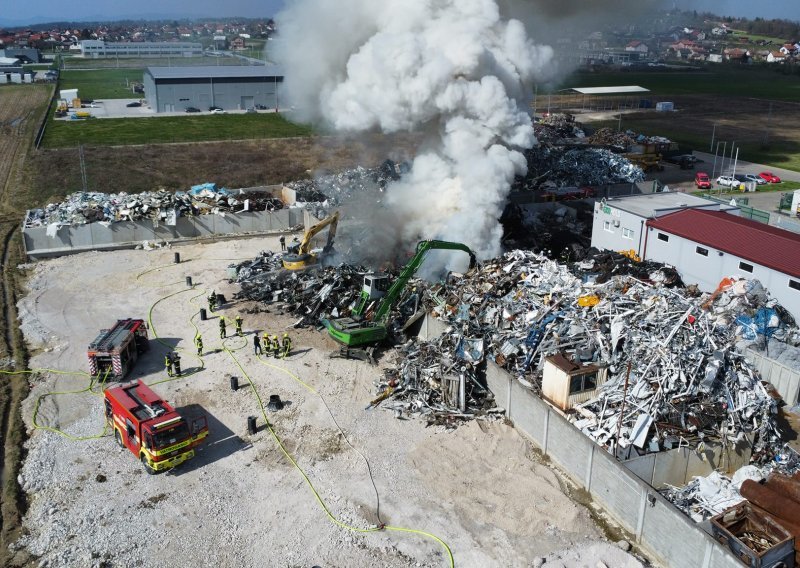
{"type": "Point", "coordinates": [770, 177]}
{"type": "Point", "coordinates": [217, 111]}
{"type": "Point", "coordinates": [192, 109]}
{"type": "Point", "coordinates": [702, 181]}
{"type": "Point", "coordinates": [261, 107]}
{"type": "Point", "coordinates": [755, 178]}
{"type": "Point", "coordinates": [134, 104]}
{"type": "Point", "coordinates": [251, 111]}
{"type": "Point", "coordinates": [213, 108]}
{"type": "Point", "coordinates": [728, 181]}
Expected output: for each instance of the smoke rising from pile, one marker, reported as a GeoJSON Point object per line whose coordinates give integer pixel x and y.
{"type": "Point", "coordinates": [453, 69]}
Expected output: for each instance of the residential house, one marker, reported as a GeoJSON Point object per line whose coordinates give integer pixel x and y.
{"type": "Point", "coordinates": [637, 47]}
{"type": "Point", "coordinates": [238, 43]}
{"type": "Point", "coordinates": [776, 57]}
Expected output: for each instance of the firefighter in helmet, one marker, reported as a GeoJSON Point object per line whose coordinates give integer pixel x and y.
{"type": "Point", "coordinates": [168, 363]}
{"type": "Point", "coordinates": [276, 347]}
{"type": "Point", "coordinates": [238, 325]}
{"type": "Point", "coordinates": [222, 331]}
{"type": "Point", "coordinates": [212, 301]}
{"type": "Point", "coordinates": [176, 360]}
{"type": "Point", "coordinates": [287, 345]}
{"type": "Point", "coordinates": [198, 341]}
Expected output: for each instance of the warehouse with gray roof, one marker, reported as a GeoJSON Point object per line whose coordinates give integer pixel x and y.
{"type": "Point", "coordinates": [171, 89]}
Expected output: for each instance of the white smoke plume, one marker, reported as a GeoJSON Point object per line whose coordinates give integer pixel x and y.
{"type": "Point", "coordinates": [453, 69]}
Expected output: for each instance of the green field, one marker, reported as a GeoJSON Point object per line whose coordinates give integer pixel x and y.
{"type": "Point", "coordinates": [716, 80]}
{"type": "Point", "coordinates": [102, 83]}
{"type": "Point", "coordinates": [166, 129]}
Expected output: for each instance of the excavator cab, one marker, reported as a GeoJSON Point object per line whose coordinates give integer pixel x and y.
{"type": "Point", "coordinates": [375, 286]}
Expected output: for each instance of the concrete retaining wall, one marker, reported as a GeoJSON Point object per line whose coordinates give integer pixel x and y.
{"type": "Point", "coordinates": [662, 531]}
{"type": "Point", "coordinates": [128, 234]}
{"type": "Point", "coordinates": [785, 379]}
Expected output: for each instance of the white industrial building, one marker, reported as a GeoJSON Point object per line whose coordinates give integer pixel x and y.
{"type": "Point", "coordinates": [619, 222]}
{"type": "Point", "coordinates": [707, 246]}
{"type": "Point", "coordinates": [95, 48]}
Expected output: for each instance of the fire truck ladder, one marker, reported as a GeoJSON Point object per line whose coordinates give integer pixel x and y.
{"type": "Point", "coordinates": [153, 412]}
{"type": "Point", "coordinates": [113, 337]}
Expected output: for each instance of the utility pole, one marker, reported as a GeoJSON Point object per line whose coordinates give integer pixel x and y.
{"type": "Point", "coordinates": [713, 132]}
{"type": "Point", "coordinates": [619, 124]}
{"type": "Point", "coordinates": [84, 179]}
{"type": "Point", "coordinates": [714, 171]}
{"type": "Point", "coordinates": [535, 95]}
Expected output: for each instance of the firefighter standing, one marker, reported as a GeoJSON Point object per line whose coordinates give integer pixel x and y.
{"type": "Point", "coordinates": [239, 325]}
{"type": "Point", "coordinates": [276, 347]}
{"type": "Point", "coordinates": [266, 343]}
{"type": "Point", "coordinates": [222, 332]}
{"type": "Point", "coordinates": [287, 345]}
{"type": "Point", "coordinates": [283, 243]}
{"type": "Point", "coordinates": [256, 344]}
{"type": "Point", "coordinates": [168, 363]}
{"type": "Point", "coordinates": [176, 360]}
{"type": "Point", "coordinates": [198, 341]}
{"type": "Point", "coordinates": [212, 301]}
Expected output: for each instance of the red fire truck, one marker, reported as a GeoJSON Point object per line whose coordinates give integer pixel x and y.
{"type": "Point", "coordinates": [115, 350]}
{"type": "Point", "coordinates": [150, 428]}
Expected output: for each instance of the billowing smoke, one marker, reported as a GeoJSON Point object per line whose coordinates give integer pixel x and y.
{"type": "Point", "coordinates": [453, 69]}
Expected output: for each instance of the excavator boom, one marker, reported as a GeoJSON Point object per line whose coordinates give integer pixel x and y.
{"type": "Point", "coordinates": [302, 257]}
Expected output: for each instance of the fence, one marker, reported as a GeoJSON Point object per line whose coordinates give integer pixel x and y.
{"type": "Point", "coordinates": [71, 239]}
{"type": "Point", "coordinates": [785, 379]}
{"type": "Point", "coordinates": [661, 530]}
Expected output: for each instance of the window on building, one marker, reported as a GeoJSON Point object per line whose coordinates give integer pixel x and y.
{"type": "Point", "coordinates": [581, 383]}
{"type": "Point", "coordinates": [794, 284]}
{"type": "Point", "coordinates": [663, 237]}
{"type": "Point", "coordinates": [746, 267]}
{"type": "Point", "coordinates": [627, 233]}
{"type": "Point", "coordinates": [701, 251]}
{"type": "Point", "coordinates": [608, 227]}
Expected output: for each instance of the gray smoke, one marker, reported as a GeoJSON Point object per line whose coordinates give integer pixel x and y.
{"type": "Point", "coordinates": [453, 69]}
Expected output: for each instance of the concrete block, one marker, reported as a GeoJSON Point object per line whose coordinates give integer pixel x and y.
{"type": "Point", "coordinates": [642, 467]}
{"type": "Point", "coordinates": [568, 447]}
{"type": "Point", "coordinates": [671, 535]}
{"type": "Point", "coordinates": [616, 489]}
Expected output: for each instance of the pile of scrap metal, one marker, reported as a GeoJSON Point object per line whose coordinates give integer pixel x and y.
{"type": "Point", "coordinates": [331, 291]}
{"type": "Point", "coordinates": [611, 137]}
{"type": "Point", "coordinates": [576, 166]}
{"type": "Point", "coordinates": [686, 384]}
{"type": "Point", "coordinates": [557, 127]}
{"type": "Point", "coordinates": [599, 266]}
{"type": "Point", "coordinates": [160, 206]}
{"type": "Point", "coordinates": [334, 189]}
{"type": "Point", "coordinates": [756, 512]}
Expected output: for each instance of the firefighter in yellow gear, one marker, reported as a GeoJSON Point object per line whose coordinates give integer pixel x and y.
{"type": "Point", "coordinates": [222, 331]}
{"type": "Point", "coordinates": [168, 363]}
{"type": "Point", "coordinates": [276, 347]}
{"type": "Point", "coordinates": [287, 345]}
{"type": "Point", "coordinates": [238, 325]}
{"type": "Point", "coordinates": [198, 341]}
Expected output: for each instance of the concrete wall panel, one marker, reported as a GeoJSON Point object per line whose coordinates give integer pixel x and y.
{"type": "Point", "coordinates": [643, 467]}
{"type": "Point", "coordinates": [616, 489]}
{"type": "Point", "coordinates": [672, 536]}
{"type": "Point", "coordinates": [670, 468]}
{"type": "Point", "coordinates": [571, 452]}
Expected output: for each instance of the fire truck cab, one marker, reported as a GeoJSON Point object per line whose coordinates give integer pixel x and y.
{"type": "Point", "coordinates": [150, 428]}
{"type": "Point", "coordinates": [116, 350]}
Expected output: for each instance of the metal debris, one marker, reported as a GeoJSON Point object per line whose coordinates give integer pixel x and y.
{"type": "Point", "coordinates": [160, 206]}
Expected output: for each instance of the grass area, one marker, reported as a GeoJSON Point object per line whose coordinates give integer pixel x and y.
{"type": "Point", "coordinates": [165, 129]}
{"type": "Point", "coordinates": [102, 83]}
{"type": "Point", "coordinates": [717, 80]}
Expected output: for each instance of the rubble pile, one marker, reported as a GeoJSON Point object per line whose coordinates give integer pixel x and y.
{"type": "Point", "coordinates": [334, 189]}
{"type": "Point", "coordinates": [686, 382]}
{"type": "Point", "coordinates": [160, 206]}
{"type": "Point", "coordinates": [611, 137]}
{"type": "Point", "coordinates": [310, 294]}
{"type": "Point", "coordinates": [557, 127]}
{"type": "Point", "coordinates": [576, 166]}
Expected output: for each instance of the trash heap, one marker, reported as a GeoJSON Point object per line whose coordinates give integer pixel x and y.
{"type": "Point", "coordinates": [334, 189]}
{"type": "Point", "coordinates": [160, 206]}
{"type": "Point", "coordinates": [611, 137]}
{"type": "Point", "coordinates": [576, 166]}
{"type": "Point", "coordinates": [308, 294]}
{"type": "Point", "coordinates": [557, 127]}
{"type": "Point", "coordinates": [686, 382]}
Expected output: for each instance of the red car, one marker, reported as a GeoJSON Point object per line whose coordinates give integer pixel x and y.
{"type": "Point", "coordinates": [770, 177]}
{"type": "Point", "coordinates": [702, 181]}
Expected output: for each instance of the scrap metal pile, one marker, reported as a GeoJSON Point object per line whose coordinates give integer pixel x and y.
{"type": "Point", "coordinates": [160, 206]}
{"type": "Point", "coordinates": [576, 166]}
{"type": "Point", "coordinates": [557, 127]}
{"type": "Point", "coordinates": [335, 189]}
{"type": "Point", "coordinates": [686, 382]}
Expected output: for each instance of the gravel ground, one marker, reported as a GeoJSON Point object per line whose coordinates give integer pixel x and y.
{"type": "Point", "coordinates": [240, 502]}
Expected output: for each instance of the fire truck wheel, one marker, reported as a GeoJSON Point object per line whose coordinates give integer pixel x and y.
{"type": "Point", "coordinates": [118, 438]}
{"type": "Point", "coordinates": [147, 468]}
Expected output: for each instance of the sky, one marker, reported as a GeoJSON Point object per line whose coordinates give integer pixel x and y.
{"type": "Point", "coordinates": [17, 12]}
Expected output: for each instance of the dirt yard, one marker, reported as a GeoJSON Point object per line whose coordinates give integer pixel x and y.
{"type": "Point", "coordinates": [240, 501]}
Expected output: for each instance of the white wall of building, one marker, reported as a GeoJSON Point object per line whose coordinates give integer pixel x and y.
{"type": "Point", "coordinates": [706, 267]}
{"type": "Point", "coordinates": [615, 229]}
